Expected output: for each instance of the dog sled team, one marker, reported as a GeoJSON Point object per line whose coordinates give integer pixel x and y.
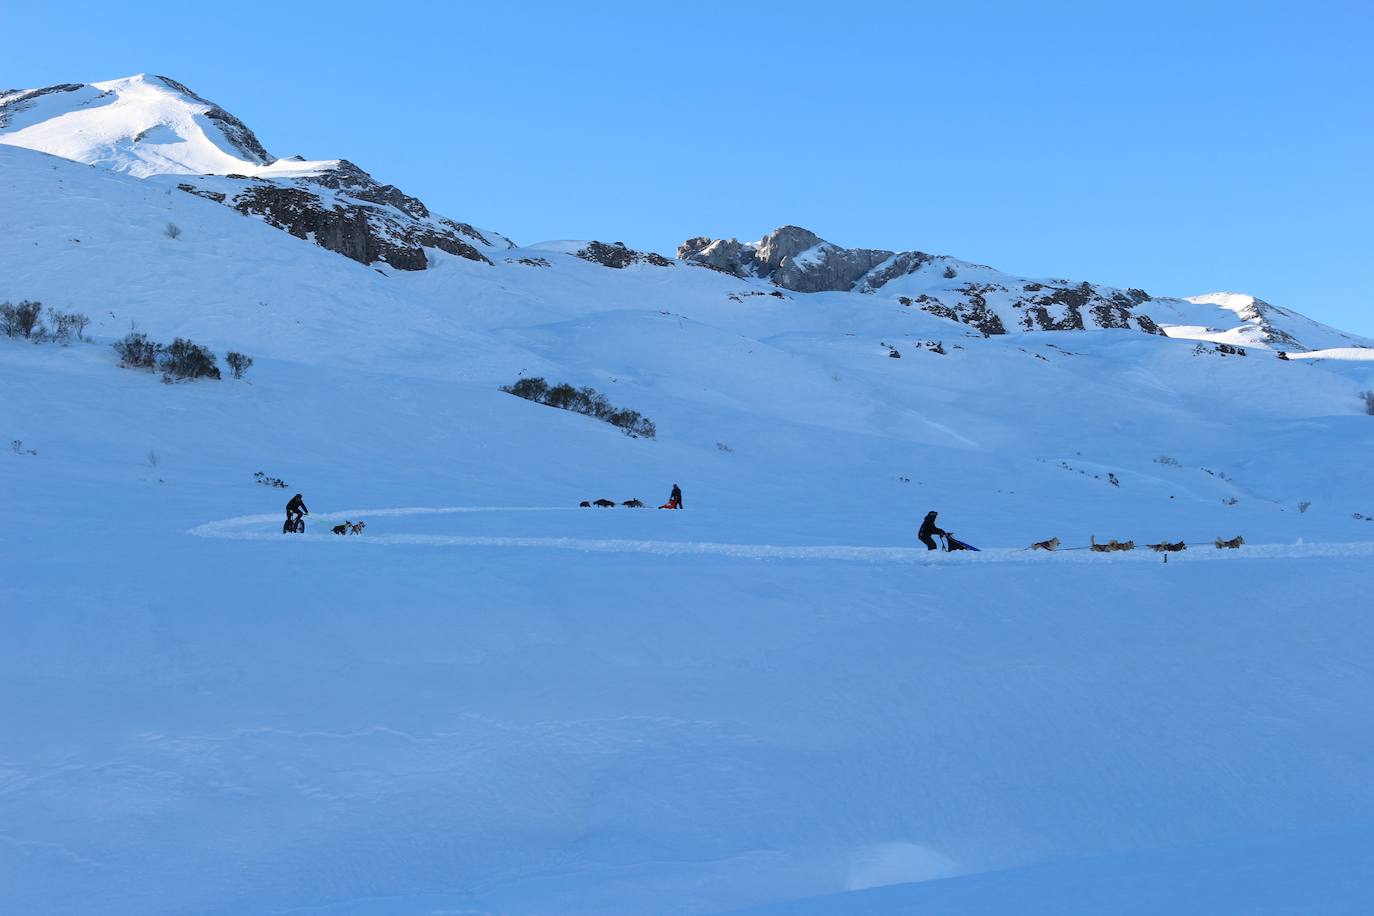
{"type": "Point", "coordinates": [674, 502]}
{"type": "Point", "coordinates": [296, 512]}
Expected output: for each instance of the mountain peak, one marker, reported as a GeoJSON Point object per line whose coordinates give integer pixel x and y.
{"type": "Point", "coordinates": [148, 126]}
{"type": "Point", "coordinates": [142, 124]}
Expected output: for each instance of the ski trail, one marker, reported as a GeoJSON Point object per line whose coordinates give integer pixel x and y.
{"type": "Point", "coordinates": [250, 528]}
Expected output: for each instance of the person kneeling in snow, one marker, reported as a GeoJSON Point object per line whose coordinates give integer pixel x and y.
{"type": "Point", "coordinates": [674, 499]}
{"type": "Point", "coordinates": [928, 528]}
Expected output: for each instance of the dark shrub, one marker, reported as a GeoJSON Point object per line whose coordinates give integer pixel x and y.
{"type": "Point", "coordinates": [182, 359]}
{"type": "Point", "coordinates": [20, 320]}
{"type": "Point", "coordinates": [136, 351]}
{"type": "Point", "coordinates": [531, 389]}
{"type": "Point", "coordinates": [65, 325]}
{"type": "Point", "coordinates": [562, 396]}
{"type": "Point", "coordinates": [238, 363]}
{"type": "Point", "coordinates": [584, 400]}
{"type": "Point", "coordinates": [1368, 398]}
{"type": "Point", "coordinates": [593, 403]}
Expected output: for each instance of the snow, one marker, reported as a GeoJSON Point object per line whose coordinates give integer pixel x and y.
{"type": "Point", "coordinates": [142, 126]}
{"type": "Point", "coordinates": [495, 702]}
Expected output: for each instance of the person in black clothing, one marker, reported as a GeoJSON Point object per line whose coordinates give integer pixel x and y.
{"type": "Point", "coordinates": [676, 497]}
{"type": "Point", "coordinates": [928, 528]}
{"type": "Point", "coordinates": [295, 510]}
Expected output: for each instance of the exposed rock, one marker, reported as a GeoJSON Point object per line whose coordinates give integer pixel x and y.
{"type": "Point", "coordinates": [216, 196]}
{"type": "Point", "coordinates": [725, 255]}
{"type": "Point", "coordinates": [617, 256]}
{"type": "Point", "coordinates": [792, 257]}
{"type": "Point", "coordinates": [14, 101]}
{"type": "Point", "coordinates": [908, 262]}
{"type": "Point", "coordinates": [356, 183]}
{"type": "Point", "coordinates": [971, 308]}
{"type": "Point", "coordinates": [333, 203]}
{"type": "Point", "coordinates": [366, 234]}
{"type": "Point", "coordinates": [798, 259]}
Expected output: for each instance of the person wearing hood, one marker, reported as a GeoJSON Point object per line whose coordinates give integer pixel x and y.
{"type": "Point", "coordinates": [928, 528]}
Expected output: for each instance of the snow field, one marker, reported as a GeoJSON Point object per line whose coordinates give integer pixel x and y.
{"type": "Point", "coordinates": [770, 696]}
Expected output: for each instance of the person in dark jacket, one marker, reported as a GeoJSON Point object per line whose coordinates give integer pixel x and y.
{"type": "Point", "coordinates": [676, 497]}
{"type": "Point", "coordinates": [295, 510]}
{"type": "Point", "coordinates": [928, 528]}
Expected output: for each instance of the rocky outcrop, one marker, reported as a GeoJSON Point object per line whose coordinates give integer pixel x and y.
{"type": "Point", "coordinates": [908, 262]}
{"type": "Point", "coordinates": [363, 231]}
{"type": "Point", "coordinates": [725, 255]}
{"type": "Point", "coordinates": [618, 257]}
{"type": "Point", "coordinates": [970, 308]}
{"type": "Point", "coordinates": [346, 210]}
{"type": "Point", "coordinates": [792, 257]}
{"type": "Point", "coordinates": [798, 259]}
{"type": "Point", "coordinates": [1260, 313]}
{"type": "Point", "coordinates": [13, 101]}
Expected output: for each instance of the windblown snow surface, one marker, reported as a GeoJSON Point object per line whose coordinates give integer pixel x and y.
{"type": "Point", "coordinates": [772, 701]}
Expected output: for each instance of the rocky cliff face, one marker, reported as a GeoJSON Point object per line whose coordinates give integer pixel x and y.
{"type": "Point", "coordinates": [348, 212]}
{"type": "Point", "coordinates": [792, 257]}
{"type": "Point", "coordinates": [988, 300]}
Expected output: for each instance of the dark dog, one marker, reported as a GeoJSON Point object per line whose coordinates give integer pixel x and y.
{"type": "Point", "coordinates": [584, 505]}
{"type": "Point", "coordinates": [342, 529]}
{"type": "Point", "coordinates": [604, 503]}
{"type": "Point", "coordinates": [633, 504]}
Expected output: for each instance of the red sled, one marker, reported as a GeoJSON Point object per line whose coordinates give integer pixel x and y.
{"type": "Point", "coordinates": [670, 504]}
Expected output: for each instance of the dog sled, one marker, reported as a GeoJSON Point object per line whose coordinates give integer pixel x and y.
{"type": "Point", "coordinates": [952, 543]}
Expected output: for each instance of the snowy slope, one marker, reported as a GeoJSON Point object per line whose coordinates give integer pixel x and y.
{"type": "Point", "coordinates": [142, 125]}
{"type": "Point", "coordinates": [493, 701]}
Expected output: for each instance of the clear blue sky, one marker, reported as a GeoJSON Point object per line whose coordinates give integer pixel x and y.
{"type": "Point", "coordinates": [1178, 147]}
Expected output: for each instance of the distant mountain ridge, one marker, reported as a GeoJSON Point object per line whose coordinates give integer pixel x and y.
{"type": "Point", "coordinates": [158, 129]}
{"type": "Point", "coordinates": [995, 302]}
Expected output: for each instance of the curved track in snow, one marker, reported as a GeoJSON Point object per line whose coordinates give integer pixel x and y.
{"type": "Point", "coordinates": [266, 527]}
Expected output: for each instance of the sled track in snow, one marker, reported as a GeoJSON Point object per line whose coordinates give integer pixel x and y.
{"type": "Point", "coordinates": [267, 528]}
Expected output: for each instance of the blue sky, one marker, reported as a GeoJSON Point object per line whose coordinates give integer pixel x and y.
{"type": "Point", "coordinates": [1182, 148]}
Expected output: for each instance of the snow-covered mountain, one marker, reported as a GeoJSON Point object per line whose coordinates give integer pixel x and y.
{"type": "Point", "coordinates": [995, 303]}
{"type": "Point", "coordinates": [495, 701]}
{"type": "Point", "coordinates": [155, 127]}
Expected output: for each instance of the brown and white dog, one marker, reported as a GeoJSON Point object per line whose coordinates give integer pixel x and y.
{"type": "Point", "coordinates": [357, 528]}
{"type": "Point", "coordinates": [1051, 544]}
